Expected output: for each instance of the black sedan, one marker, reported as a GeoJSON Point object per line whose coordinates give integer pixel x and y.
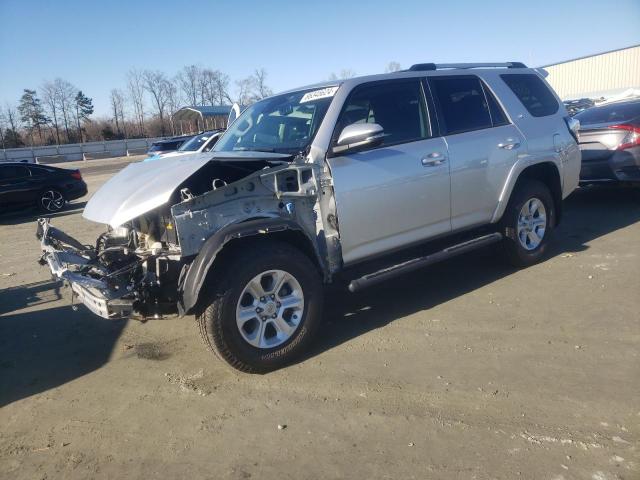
{"type": "Point", "coordinates": [609, 139]}
{"type": "Point", "coordinates": [46, 187]}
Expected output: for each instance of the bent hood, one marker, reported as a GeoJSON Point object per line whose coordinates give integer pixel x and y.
{"type": "Point", "coordinates": [144, 186]}
{"type": "Point", "coordinates": [140, 187]}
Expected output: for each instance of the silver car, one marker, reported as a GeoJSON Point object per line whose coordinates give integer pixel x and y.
{"type": "Point", "coordinates": [319, 181]}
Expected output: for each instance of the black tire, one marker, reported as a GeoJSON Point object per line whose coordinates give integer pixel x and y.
{"type": "Point", "coordinates": [217, 316]}
{"type": "Point", "coordinates": [525, 190]}
{"type": "Point", "coordinates": [51, 200]}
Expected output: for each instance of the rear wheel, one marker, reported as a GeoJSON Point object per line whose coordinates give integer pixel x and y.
{"type": "Point", "coordinates": [265, 308]}
{"type": "Point", "coordinates": [528, 222]}
{"type": "Point", "coordinates": [51, 200]}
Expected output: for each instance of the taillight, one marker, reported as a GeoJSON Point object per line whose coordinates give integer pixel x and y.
{"type": "Point", "coordinates": [573, 124]}
{"type": "Point", "coordinates": [76, 174]}
{"type": "Point", "coordinates": [632, 137]}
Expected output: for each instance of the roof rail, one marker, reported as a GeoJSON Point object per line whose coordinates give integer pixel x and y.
{"type": "Point", "coordinates": [419, 67]}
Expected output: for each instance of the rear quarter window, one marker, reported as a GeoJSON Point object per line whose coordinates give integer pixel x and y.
{"type": "Point", "coordinates": [532, 93]}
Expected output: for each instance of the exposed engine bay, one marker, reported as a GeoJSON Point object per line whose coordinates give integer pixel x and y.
{"type": "Point", "coordinates": [139, 267]}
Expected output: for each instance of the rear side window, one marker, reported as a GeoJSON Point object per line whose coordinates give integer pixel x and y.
{"type": "Point", "coordinates": [615, 112]}
{"type": "Point", "coordinates": [13, 171]}
{"type": "Point", "coordinates": [397, 106]}
{"type": "Point", "coordinates": [461, 104]}
{"type": "Point", "coordinates": [532, 93]}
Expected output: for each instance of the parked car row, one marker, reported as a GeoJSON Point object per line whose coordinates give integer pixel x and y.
{"type": "Point", "coordinates": [202, 142]}
{"type": "Point", "coordinates": [167, 145]}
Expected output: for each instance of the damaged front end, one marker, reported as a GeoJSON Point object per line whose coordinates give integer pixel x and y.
{"type": "Point", "coordinates": [168, 220]}
{"type": "Point", "coordinates": [116, 278]}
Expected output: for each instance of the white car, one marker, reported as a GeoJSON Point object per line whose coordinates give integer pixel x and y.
{"type": "Point", "coordinates": [202, 142]}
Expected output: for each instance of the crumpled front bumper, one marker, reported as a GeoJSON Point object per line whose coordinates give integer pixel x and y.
{"type": "Point", "coordinates": [64, 256]}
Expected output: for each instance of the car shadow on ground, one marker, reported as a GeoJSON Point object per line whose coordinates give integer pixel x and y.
{"type": "Point", "coordinates": [46, 348]}
{"type": "Point", "coordinates": [588, 214]}
{"type": "Point", "coordinates": [31, 214]}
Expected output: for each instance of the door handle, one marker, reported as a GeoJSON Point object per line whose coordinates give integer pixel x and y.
{"type": "Point", "coordinates": [433, 159]}
{"type": "Point", "coordinates": [509, 145]}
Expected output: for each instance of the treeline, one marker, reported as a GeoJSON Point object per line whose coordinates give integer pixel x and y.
{"type": "Point", "coordinates": [58, 112]}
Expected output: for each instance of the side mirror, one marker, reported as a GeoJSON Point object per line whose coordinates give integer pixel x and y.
{"type": "Point", "coordinates": [357, 136]}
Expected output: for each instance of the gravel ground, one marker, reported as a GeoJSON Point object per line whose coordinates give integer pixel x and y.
{"type": "Point", "coordinates": [468, 369]}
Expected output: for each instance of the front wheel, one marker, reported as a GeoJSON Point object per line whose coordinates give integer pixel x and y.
{"type": "Point", "coordinates": [265, 308]}
{"type": "Point", "coordinates": [528, 222]}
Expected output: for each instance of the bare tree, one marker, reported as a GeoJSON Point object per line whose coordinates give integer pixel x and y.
{"type": "Point", "coordinates": [343, 75]}
{"type": "Point", "coordinates": [173, 101]}
{"type": "Point", "coordinates": [65, 96]}
{"type": "Point", "coordinates": [12, 136]}
{"type": "Point", "coordinates": [208, 86]}
{"type": "Point", "coordinates": [155, 82]}
{"type": "Point", "coordinates": [117, 107]}
{"type": "Point", "coordinates": [135, 86]}
{"type": "Point", "coordinates": [392, 67]}
{"type": "Point", "coordinates": [190, 83]}
{"type": "Point", "coordinates": [222, 88]}
{"type": "Point", "coordinates": [244, 96]}
{"type": "Point", "coordinates": [3, 128]}
{"type": "Point", "coordinates": [51, 99]}
{"type": "Point", "coordinates": [260, 89]}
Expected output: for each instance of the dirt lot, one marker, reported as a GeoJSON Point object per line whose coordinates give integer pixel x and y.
{"type": "Point", "coordinates": [468, 369]}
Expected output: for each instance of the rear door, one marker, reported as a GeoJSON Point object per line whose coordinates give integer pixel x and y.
{"type": "Point", "coordinates": [483, 146]}
{"type": "Point", "coordinates": [397, 193]}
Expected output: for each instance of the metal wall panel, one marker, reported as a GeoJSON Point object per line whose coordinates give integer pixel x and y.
{"type": "Point", "coordinates": [617, 70]}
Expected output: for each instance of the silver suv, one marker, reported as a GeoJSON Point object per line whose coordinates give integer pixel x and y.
{"type": "Point", "coordinates": [312, 185]}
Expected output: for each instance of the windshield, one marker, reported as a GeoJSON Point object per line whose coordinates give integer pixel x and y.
{"type": "Point", "coordinates": [282, 124]}
{"type": "Point", "coordinates": [615, 112]}
{"type": "Point", "coordinates": [195, 143]}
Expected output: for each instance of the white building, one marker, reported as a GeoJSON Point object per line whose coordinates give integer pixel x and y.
{"type": "Point", "coordinates": [601, 75]}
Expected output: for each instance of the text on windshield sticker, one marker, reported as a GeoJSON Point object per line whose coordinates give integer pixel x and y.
{"type": "Point", "coordinates": [318, 94]}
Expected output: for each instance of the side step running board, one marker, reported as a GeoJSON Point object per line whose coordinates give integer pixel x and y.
{"type": "Point", "coordinates": [420, 262]}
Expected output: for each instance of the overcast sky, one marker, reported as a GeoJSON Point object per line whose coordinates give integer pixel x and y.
{"type": "Point", "coordinates": [93, 44]}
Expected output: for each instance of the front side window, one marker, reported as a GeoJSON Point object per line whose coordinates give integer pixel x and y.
{"type": "Point", "coordinates": [284, 123]}
{"type": "Point", "coordinates": [532, 93]}
{"type": "Point", "coordinates": [396, 106]}
{"type": "Point", "coordinates": [461, 104]}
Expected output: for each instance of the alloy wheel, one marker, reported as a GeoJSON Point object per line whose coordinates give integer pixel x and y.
{"type": "Point", "coordinates": [52, 200]}
{"type": "Point", "coordinates": [270, 309]}
{"type": "Point", "coordinates": [532, 223]}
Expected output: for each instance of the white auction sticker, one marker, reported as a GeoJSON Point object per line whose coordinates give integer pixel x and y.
{"type": "Point", "coordinates": [317, 94]}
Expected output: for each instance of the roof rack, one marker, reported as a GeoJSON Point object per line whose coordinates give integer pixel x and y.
{"type": "Point", "coordinates": [420, 67]}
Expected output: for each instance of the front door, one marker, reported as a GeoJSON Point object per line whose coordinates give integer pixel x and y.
{"type": "Point", "coordinates": [397, 193]}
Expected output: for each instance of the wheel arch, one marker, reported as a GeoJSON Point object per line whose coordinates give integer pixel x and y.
{"type": "Point", "coordinates": [198, 275]}
{"type": "Point", "coordinates": [546, 172]}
